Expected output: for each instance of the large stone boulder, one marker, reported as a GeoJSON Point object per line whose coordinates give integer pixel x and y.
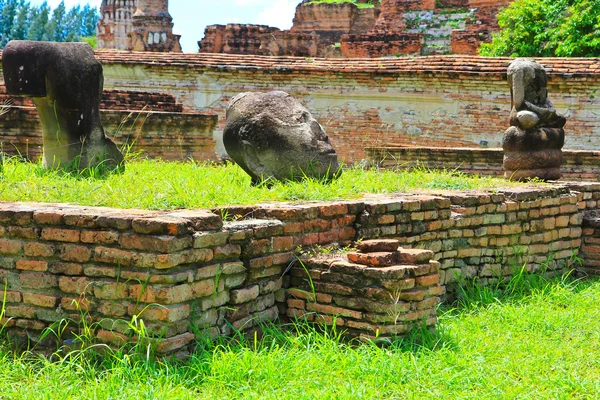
{"type": "Point", "coordinates": [533, 144]}
{"type": "Point", "coordinates": [66, 82]}
{"type": "Point", "coordinates": [273, 136]}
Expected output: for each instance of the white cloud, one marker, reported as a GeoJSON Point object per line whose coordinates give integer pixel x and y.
{"type": "Point", "coordinates": [279, 13]}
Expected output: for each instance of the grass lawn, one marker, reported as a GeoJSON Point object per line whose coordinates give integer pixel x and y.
{"type": "Point", "coordinates": [531, 341]}
{"type": "Point", "coordinates": [151, 184]}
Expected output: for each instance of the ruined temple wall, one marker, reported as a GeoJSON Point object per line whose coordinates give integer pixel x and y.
{"type": "Point", "coordinates": [359, 110]}
{"type": "Point", "coordinates": [427, 102]}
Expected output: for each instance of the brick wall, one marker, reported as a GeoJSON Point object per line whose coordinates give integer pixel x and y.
{"type": "Point", "coordinates": [579, 164]}
{"type": "Point", "coordinates": [153, 122]}
{"type": "Point", "coordinates": [377, 45]}
{"type": "Point", "coordinates": [442, 101]}
{"type": "Point", "coordinates": [209, 276]}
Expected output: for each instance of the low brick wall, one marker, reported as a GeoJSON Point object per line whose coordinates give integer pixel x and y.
{"type": "Point", "coordinates": [371, 295]}
{"type": "Point", "coordinates": [168, 135]}
{"type": "Point", "coordinates": [579, 164]}
{"type": "Point", "coordinates": [189, 273]}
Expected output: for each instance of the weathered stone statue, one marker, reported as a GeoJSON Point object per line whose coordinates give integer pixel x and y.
{"type": "Point", "coordinates": [65, 82]}
{"type": "Point", "coordinates": [533, 143]}
{"type": "Point", "coordinates": [273, 136]}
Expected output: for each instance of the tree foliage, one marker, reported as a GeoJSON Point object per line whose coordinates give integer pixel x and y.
{"type": "Point", "coordinates": [546, 28]}
{"type": "Point", "coordinates": [20, 20]}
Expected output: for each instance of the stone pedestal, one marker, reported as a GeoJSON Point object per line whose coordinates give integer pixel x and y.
{"type": "Point", "coordinates": [532, 145]}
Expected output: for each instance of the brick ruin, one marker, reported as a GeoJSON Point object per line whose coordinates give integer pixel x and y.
{"type": "Point", "coordinates": [434, 101]}
{"type": "Point", "coordinates": [146, 121]}
{"type": "Point", "coordinates": [189, 274]}
{"type": "Point", "coordinates": [389, 28]}
{"type": "Point", "coordinates": [138, 25]}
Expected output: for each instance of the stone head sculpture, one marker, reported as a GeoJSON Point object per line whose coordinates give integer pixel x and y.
{"type": "Point", "coordinates": [66, 83]}
{"type": "Point", "coordinates": [273, 136]}
{"type": "Point", "coordinates": [533, 143]}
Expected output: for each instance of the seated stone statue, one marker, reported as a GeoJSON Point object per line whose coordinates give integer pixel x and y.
{"type": "Point", "coordinates": [273, 136]}
{"type": "Point", "coordinates": [532, 145]}
{"type": "Point", "coordinates": [66, 83]}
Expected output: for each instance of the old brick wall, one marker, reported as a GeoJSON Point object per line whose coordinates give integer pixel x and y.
{"type": "Point", "coordinates": [442, 101]}
{"type": "Point", "coordinates": [208, 275]}
{"type": "Point", "coordinates": [579, 164]}
{"type": "Point", "coordinates": [153, 123]}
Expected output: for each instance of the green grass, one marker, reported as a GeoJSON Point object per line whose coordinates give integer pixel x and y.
{"type": "Point", "coordinates": [151, 184]}
{"type": "Point", "coordinates": [539, 340]}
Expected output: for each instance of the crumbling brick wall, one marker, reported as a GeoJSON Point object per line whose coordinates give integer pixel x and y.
{"type": "Point", "coordinates": [188, 273]}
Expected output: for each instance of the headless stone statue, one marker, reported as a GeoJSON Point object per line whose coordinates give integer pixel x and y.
{"type": "Point", "coordinates": [273, 136]}
{"type": "Point", "coordinates": [66, 83]}
{"type": "Point", "coordinates": [533, 144]}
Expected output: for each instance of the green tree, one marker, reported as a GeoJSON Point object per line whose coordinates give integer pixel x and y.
{"type": "Point", "coordinates": [563, 28]}
{"type": "Point", "coordinates": [38, 20]}
{"type": "Point", "coordinates": [7, 18]}
{"type": "Point", "coordinates": [89, 21]}
{"type": "Point", "coordinates": [56, 29]}
{"type": "Point", "coordinates": [21, 24]}
{"type": "Point", "coordinates": [20, 20]}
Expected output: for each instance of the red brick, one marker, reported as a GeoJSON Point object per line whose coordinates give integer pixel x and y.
{"type": "Point", "coordinates": [293, 227]}
{"type": "Point", "coordinates": [203, 288]}
{"type": "Point", "coordinates": [75, 253]}
{"type": "Point", "coordinates": [378, 245]}
{"type": "Point", "coordinates": [293, 303]}
{"type": "Point", "coordinates": [60, 235]}
{"type": "Point", "coordinates": [111, 290]}
{"type": "Point", "coordinates": [333, 210]}
{"type": "Point", "coordinates": [115, 309]}
{"type": "Point", "coordinates": [283, 243]}
{"type": "Point", "coordinates": [171, 295]}
{"type": "Point", "coordinates": [10, 247]}
{"type": "Point", "coordinates": [160, 313]}
{"type": "Point", "coordinates": [99, 237]}
{"type": "Point", "coordinates": [159, 244]}
{"type": "Point", "coordinates": [61, 268]}
{"type": "Point", "coordinates": [19, 312]}
{"type": "Point", "coordinates": [36, 249]}
{"type": "Point", "coordinates": [32, 265]}
{"type": "Point", "coordinates": [48, 218]}
{"type": "Point", "coordinates": [329, 236]}
{"type": "Point", "coordinates": [30, 324]}
{"type": "Point", "coordinates": [112, 256]}
{"type": "Point", "coordinates": [260, 262]}
{"type": "Point", "coordinates": [374, 259]}
{"type": "Point", "coordinates": [40, 300]}
{"type": "Point", "coordinates": [75, 304]}
{"type": "Point", "coordinates": [331, 310]}
{"type": "Point", "coordinates": [11, 297]}
{"type": "Point", "coordinates": [38, 280]}
{"type": "Point", "coordinates": [74, 285]}
{"type": "Point", "coordinates": [227, 252]}
{"type": "Point", "coordinates": [257, 248]}
{"type": "Point", "coordinates": [24, 233]}
{"type": "Point", "coordinates": [427, 280]}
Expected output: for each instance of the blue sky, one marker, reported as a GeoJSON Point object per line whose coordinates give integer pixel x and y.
{"type": "Point", "coordinates": [191, 17]}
